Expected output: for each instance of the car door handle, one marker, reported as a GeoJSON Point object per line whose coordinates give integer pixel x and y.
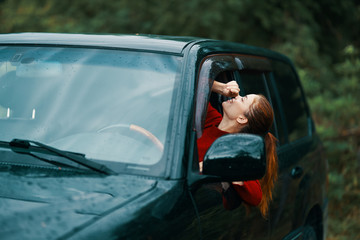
{"type": "Point", "coordinates": [296, 172]}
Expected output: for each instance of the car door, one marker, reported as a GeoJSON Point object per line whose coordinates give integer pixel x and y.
{"type": "Point", "coordinates": [288, 211]}
{"type": "Point", "coordinates": [281, 208]}
{"type": "Point", "coordinates": [217, 222]}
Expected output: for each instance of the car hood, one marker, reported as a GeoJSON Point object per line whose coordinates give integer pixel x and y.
{"type": "Point", "coordinates": [35, 206]}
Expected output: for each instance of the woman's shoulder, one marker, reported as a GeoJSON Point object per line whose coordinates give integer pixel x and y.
{"type": "Point", "coordinates": [213, 117]}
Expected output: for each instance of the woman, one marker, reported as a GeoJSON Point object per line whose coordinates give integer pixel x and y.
{"type": "Point", "coordinates": [249, 114]}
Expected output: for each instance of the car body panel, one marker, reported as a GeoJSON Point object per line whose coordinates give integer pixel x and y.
{"type": "Point", "coordinates": [49, 203]}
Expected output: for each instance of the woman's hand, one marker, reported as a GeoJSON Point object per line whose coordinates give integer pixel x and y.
{"type": "Point", "coordinates": [226, 185]}
{"type": "Point", "coordinates": [240, 183]}
{"type": "Point", "coordinates": [230, 89]}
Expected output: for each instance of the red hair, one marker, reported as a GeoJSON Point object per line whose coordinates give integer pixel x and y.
{"type": "Point", "coordinates": [260, 119]}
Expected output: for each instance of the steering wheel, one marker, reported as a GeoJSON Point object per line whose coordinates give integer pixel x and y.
{"type": "Point", "coordinates": [138, 129]}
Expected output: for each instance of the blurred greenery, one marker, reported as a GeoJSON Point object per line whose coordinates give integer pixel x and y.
{"type": "Point", "coordinates": [322, 38]}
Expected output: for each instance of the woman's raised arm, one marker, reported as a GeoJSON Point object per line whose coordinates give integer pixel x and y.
{"type": "Point", "coordinates": [230, 89]}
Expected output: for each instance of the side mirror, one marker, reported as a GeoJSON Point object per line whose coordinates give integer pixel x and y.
{"type": "Point", "coordinates": [236, 157]}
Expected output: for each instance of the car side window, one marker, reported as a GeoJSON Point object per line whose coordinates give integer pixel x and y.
{"type": "Point", "coordinates": [250, 72]}
{"type": "Point", "coordinates": [292, 100]}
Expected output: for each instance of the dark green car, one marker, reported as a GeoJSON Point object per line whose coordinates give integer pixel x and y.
{"type": "Point", "coordinates": [98, 140]}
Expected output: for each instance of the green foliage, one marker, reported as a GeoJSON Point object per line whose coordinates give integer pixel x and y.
{"type": "Point", "coordinates": [322, 38]}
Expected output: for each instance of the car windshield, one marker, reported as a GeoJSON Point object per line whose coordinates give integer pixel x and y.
{"type": "Point", "coordinates": [111, 105]}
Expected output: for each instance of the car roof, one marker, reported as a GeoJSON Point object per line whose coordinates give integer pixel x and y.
{"type": "Point", "coordinates": [167, 44]}
{"type": "Point", "coordinates": [139, 42]}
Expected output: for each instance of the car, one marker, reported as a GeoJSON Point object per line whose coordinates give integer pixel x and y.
{"type": "Point", "coordinates": [98, 140]}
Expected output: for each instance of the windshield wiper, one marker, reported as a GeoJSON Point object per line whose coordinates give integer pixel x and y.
{"type": "Point", "coordinates": [74, 157]}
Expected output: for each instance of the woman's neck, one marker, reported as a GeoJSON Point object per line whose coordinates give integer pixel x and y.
{"type": "Point", "coordinates": [229, 126]}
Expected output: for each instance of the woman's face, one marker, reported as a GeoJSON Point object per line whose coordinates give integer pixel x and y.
{"type": "Point", "coordinates": [236, 107]}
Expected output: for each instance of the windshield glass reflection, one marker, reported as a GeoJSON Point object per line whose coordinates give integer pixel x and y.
{"type": "Point", "coordinates": [110, 105]}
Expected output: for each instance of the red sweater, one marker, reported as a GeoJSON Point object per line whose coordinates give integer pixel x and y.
{"type": "Point", "coordinates": [250, 192]}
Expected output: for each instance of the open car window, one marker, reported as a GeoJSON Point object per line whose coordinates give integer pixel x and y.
{"type": "Point", "coordinates": [224, 68]}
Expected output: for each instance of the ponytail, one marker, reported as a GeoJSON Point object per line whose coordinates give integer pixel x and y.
{"type": "Point", "coordinates": [268, 181]}
{"type": "Point", "coordinates": [260, 118]}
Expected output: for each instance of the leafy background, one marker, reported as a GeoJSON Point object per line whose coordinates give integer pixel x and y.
{"type": "Point", "coordinates": [322, 38]}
